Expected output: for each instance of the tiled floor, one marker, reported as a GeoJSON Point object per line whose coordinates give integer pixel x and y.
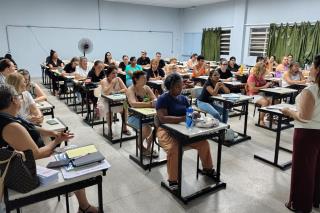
{"type": "Point", "coordinates": [252, 186]}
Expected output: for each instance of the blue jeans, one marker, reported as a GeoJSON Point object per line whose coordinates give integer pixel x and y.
{"type": "Point", "coordinates": [129, 82]}
{"type": "Point", "coordinates": [215, 110]}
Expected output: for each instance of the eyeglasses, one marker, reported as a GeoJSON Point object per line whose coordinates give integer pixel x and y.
{"type": "Point", "coordinates": [224, 64]}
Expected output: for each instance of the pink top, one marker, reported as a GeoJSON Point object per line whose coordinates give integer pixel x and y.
{"type": "Point", "coordinates": [258, 82]}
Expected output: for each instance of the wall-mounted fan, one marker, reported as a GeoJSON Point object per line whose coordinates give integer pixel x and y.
{"type": "Point", "coordinates": [85, 46]}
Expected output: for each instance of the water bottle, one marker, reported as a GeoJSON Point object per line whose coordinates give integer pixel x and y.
{"type": "Point", "coordinates": [189, 114]}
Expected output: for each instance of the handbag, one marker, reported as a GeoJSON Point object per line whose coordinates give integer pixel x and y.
{"type": "Point", "coordinates": [18, 171]}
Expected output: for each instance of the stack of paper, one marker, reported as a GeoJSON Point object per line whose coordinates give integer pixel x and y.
{"type": "Point", "coordinates": [230, 96]}
{"type": "Point", "coordinates": [47, 175]}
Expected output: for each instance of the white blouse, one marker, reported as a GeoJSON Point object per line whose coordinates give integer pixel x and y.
{"type": "Point", "coordinates": [314, 123]}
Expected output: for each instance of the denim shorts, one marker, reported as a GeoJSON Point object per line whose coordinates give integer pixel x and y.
{"type": "Point", "coordinates": [134, 122]}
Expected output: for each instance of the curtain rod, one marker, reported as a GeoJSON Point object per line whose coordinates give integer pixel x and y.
{"type": "Point", "coordinates": [268, 24]}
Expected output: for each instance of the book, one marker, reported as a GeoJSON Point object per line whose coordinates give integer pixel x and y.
{"type": "Point", "coordinates": [47, 175]}
{"type": "Point", "coordinates": [81, 151]}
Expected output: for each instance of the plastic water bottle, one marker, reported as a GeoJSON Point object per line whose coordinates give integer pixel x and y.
{"type": "Point", "coordinates": [189, 114]}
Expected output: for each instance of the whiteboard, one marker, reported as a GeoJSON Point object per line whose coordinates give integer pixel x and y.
{"type": "Point", "coordinates": [31, 45]}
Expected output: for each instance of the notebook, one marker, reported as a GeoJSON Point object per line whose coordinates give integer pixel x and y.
{"type": "Point", "coordinates": [81, 151]}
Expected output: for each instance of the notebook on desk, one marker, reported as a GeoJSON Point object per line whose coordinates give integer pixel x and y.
{"type": "Point", "coordinates": [81, 151]}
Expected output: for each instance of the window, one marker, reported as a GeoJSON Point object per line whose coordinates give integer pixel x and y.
{"type": "Point", "coordinates": [225, 42]}
{"type": "Point", "coordinates": [258, 41]}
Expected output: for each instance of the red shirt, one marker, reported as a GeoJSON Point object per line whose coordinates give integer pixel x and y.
{"type": "Point", "coordinates": [258, 82]}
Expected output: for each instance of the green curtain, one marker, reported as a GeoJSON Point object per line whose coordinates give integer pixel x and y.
{"type": "Point", "coordinates": [302, 41]}
{"type": "Point", "coordinates": [210, 44]}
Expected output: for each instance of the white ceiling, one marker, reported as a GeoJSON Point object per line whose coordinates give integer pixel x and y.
{"type": "Point", "coordinates": [170, 3]}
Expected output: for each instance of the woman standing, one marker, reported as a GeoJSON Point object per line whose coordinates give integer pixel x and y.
{"type": "Point", "coordinates": [305, 175]}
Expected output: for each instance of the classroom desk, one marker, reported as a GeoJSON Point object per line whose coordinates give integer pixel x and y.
{"type": "Point", "coordinates": [243, 102]}
{"type": "Point", "coordinates": [88, 89]}
{"type": "Point", "coordinates": [46, 108]}
{"type": "Point", "coordinates": [113, 101]}
{"type": "Point", "coordinates": [186, 137]}
{"type": "Point", "coordinates": [60, 126]}
{"type": "Point", "coordinates": [202, 79]}
{"type": "Point", "coordinates": [283, 123]}
{"type": "Point", "coordinates": [156, 85]}
{"type": "Point", "coordinates": [14, 200]}
{"type": "Point", "coordinates": [279, 93]}
{"type": "Point", "coordinates": [77, 87]}
{"type": "Point", "coordinates": [234, 86]}
{"type": "Point", "coordinates": [146, 116]}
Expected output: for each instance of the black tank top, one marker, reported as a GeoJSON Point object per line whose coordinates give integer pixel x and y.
{"type": "Point", "coordinates": [6, 119]}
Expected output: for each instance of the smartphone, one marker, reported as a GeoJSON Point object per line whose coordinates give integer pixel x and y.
{"type": "Point", "coordinates": [52, 122]}
{"type": "Point", "coordinates": [56, 164]}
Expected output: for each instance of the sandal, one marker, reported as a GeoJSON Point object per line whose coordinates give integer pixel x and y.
{"type": "Point", "coordinates": [147, 153]}
{"type": "Point", "coordinates": [209, 173]}
{"type": "Point", "coordinates": [126, 132]}
{"type": "Point", "coordinates": [85, 210]}
{"type": "Point", "coordinates": [173, 185]}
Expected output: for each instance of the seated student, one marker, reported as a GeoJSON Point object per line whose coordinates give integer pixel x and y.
{"type": "Point", "coordinates": [32, 87]}
{"type": "Point", "coordinates": [271, 63]}
{"type": "Point", "coordinates": [108, 60]}
{"type": "Point", "coordinates": [173, 61]}
{"type": "Point", "coordinates": [122, 68]}
{"type": "Point", "coordinates": [281, 68]}
{"type": "Point", "coordinates": [293, 75]}
{"type": "Point", "coordinates": [213, 87]}
{"type": "Point", "coordinates": [130, 69]}
{"type": "Point", "coordinates": [6, 68]}
{"type": "Point", "coordinates": [96, 74]}
{"type": "Point", "coordinates": [29, 111]}
{"type": "Point", "coordinates": [125, 62]}
{"type": "Point", "coordinates": [82, 69]}
{"type": "Point", "coordinates": [162, 64]}
{"type": "Point", "coordinates": [232, 65]}
{"type": "Point", "coordinates": [54, 63]}
{"type": "Point", "coordinates": [290, 58]}
{"type": "Point", "coordinates": [70, 68]}
{"type": "Point", "coordinates": [192, 61]}
{"type": "Point", "coordinates": [143, 61]}
{"type": "Point", "coordinates": [155, 73]}
{"type": "Point", "coordinates": [262, 60]}
{"type": "Point", "coordinates": [141, 96]}
{"type": "Point", "coordinates": [18, 136]}
{"type": "Point", "coordinates": [109, 85]}
{"type": "Point", "coordinates": [171, 108]}
{"type": "Point", "coordinates": [224, 71]}
{"type": "Point", "coordinates": [9, 57]}
{"type": "Point", "coordinates": [201, 68]}
{"type": "Point", "coordinates": [256, 81]}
